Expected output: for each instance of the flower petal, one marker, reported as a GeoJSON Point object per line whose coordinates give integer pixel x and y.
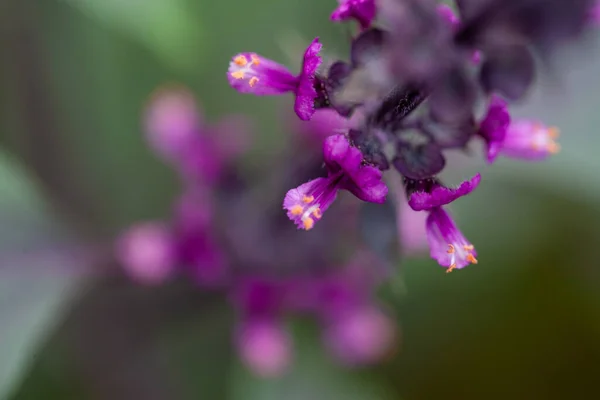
{"type": "Point", "coordinates": [442, 195]}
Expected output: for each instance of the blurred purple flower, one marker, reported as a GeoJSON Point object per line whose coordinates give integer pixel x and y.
{"type": "Point", "coordinates": [363, 11]}
{"type": "Point", "coordinates": [147, 252]}
{"type": "Point", "coordinates": [176, 132]}
{"type": "Point", "coordinates": [251, 73]}
{"type": "Point", "coordinates": [265, 347]}
{"type": "Point", "coordinates": [522, 139]}
{"type": "Point", "coordinates": [362, 336]}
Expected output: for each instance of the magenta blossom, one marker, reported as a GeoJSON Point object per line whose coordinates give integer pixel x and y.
{"type": "Point", "coordinates": [176, 132]}
{"type": "Point", "coordinates": [345, 168]}
{"type": "Point", "coordinates": [523, 139]}
{"type": "Point", "coordinates": [251, 73]}
{"type": "Point", "coordinates": [363, 336]}
{"type": "Point", "coordinates": [265, 347]}
{"type": "Point", "coordinates": [146, 252]}
{"type": "Point", "coordinates": [362, 11]}
{"type": "Point", "coordinates": [447, 244]}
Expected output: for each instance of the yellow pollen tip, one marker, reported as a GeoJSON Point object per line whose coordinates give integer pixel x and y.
{"type": "Point", "coordinates": [471, 258]}
{"type": "Point", "coordinates": [451, 249]}
{"type": "Point", "coordinates": [296, 210]}
{"type": "Point", "coordinates": [253, 81]}
{"type": "Point", "coordinates": [469, 247]}
{"type": "Point", "coordinates": [238, 74]}
{"type": "Point", "coordinates": [255, 59]}
{"type": "Point", "coordinates": [240, 60]}
{"type": "Point", "coordinates": [308, 223]}
{"type": "Point", "coordinates": [308, 199]}
{"type": "Point", "coordinates": [451, 268]}
{"type": "Point", "coordinates": [553, 132]}
{"type": "Point", "coordinates": [317, 213]}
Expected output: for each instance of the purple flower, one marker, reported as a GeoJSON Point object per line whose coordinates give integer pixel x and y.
{"type": "Point", "coordinates": [362, 11]}
{"type": "Point", "coordinates": [147, 252]}
{"type": "Point", "coordinates": [175, 130]}
{"type": "Point", "coordinates": [438, 195]}
{"type": "Point", "coordinates": [494, 126]}
{"type": "Point", "coordinates": [172, 121]}
{"type": "Point", "coordinates": [251, 73]}
{"type": "Point", "coordinates": [530, 140]}
{"type": "Point", "coordinates": [362, 336]}
{"type": "Point", "coordinates": [265, 347]}
{"type": "Point", "coordinates": [446, 242]}
{"type": "Point", "coordinates": [309, 201]}
{"type": "Point", "coordinates": [523, 139]}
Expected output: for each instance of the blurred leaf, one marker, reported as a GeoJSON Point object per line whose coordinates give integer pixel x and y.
{"type": "Point", "coordinates": [35, 279]}
{"type": "Point", "coordinates": [165, 27]}
{"type": "Point", "coordinates": [313, 376]}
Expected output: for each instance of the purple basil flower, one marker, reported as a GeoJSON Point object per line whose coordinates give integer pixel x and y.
{"type": "Point", "coordinates": [176, 132]}
{"type": "Point", "coordinates": [251, 73]}
{"type": "Point", "coordinates": [530, 140]}
{"type": "Point", "coordinates": [523, 139]}
{"type": "Point", "coordinates": [265, 347]}
{"type": "Point", "coordinates": [172, 121]}
{"type": "Point", "coordinates": [309, 201]}
{"type": "Point", "coordinates": [439, 195]}
{"type": "Point", "coordinates": [147, 252]}
{"type": "Point", "coordinates": [447, 244]}
{"type": "Point", "coordinates": [362, 336]}
{"type": "Point", "coordinates": [362, 11]}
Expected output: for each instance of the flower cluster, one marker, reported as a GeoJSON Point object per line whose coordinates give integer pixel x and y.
{"type": "Point", "coordinates": [226, 237]}
{"type": "Point", "coordinates": [416, 74]}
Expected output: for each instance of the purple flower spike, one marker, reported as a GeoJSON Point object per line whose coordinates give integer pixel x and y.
{"type": "Point", "coordinates": [251, 73]}
{"type": "Point", "coordinates": [362, 11]}
{"type": "Point", "coordinates": [147, 252]}
{"type": "Point", "coordinates": [447, 244]}
{"type": "Point", "coordinates": [307, 203]}
{"type": "Point", "coordinates": [494, 126]}
{"type": "Point", "coordinates": [530, 140]}
{"type": "Point", "coordinates": [441, 195]}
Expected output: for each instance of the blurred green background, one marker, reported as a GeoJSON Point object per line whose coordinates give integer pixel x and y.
{"type": "Point", "coordinates": [74, 78]}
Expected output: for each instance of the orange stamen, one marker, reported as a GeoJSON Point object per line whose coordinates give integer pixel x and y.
{"type": "Point", "coordinates": [451, 249]}
{"type": "Point", "coordinates": [308, 223]}
{"type": "Point", "coordinates": [308, 199]}
{"type": "Point", "coordinates": [317, 213]}
{"type": "Point", "coordinates": [297, 210]}
{"type": "Point", "coordinates": [240, 60]}
{"type": "Point", "coordinates": [471, 258]}
{"type": "Point", "coordinates": [451, 268]}
{"type": "Point", "coordinates": [255, 59]}
{"type": "Point", "coordinates": [253, 81]}
{"type": "Point", "coordinates": [238, 74]}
